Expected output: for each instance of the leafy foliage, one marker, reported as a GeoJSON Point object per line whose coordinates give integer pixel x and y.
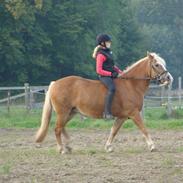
{"type": "Point", "coordinates": [162, 24]}
{"type": "Point", "coordinates": [42, 41]}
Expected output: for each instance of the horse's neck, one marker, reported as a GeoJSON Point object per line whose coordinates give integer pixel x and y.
{"type": "Point", "coordinates": [140, 72]}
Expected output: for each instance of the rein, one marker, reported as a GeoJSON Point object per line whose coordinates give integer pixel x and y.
{"type": "Point", "coordinates": [157, 77]}
{"type": "Point", "coordinates": [145, 78]}
{"type": "Point", "coordinates": [132, 78]}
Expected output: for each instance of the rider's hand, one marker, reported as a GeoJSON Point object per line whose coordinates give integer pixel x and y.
{"type": "Point", "coordinates": [115, 74]}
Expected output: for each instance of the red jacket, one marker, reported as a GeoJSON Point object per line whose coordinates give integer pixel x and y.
{"type": "Point", "coordinates": [100, 59]}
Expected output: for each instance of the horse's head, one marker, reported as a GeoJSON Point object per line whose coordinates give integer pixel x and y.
{"type": "Point", "coordinates": [158, 69]}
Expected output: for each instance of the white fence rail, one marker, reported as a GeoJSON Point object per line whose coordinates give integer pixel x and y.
{"type": "Point", "coordinates": [12, 97]}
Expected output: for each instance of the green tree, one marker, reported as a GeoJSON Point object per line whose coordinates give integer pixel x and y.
{"type": "Point", "coordinates": [131, 42]}
{"type": "Point", "coordinates": [162, 24]}
{"type": "Point", "coordinates": [42, 41]}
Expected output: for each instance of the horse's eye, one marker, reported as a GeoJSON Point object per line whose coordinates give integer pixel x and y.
{"type": "Point", "coordinates": [156, 65]}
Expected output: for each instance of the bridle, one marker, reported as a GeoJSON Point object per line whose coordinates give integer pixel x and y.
{"type": "Point", "coordinates": [156, 77]}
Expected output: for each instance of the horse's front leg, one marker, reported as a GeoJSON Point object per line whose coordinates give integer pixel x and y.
{"type": "Point", "coordinates": [136, 117]}
{"type": "Point", "coordinates": [116, 126]}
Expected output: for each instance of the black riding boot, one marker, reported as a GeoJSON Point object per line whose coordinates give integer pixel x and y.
{"type": "Point", "coordinates": [108, 103]}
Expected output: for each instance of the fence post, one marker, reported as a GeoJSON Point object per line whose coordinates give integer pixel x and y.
{"type": "Point", "coordinates": [162, 95]}
{"type": "Point", "coordinates": [8, 101]}
{"type": "Point", "coordinates": [27, 92]}
{"type": "Point", "coordinates": [169, 106]}
{"type": "Point", "coordinates": [180, 88]}
{"type": "Point", "coordinates": [31, 99]}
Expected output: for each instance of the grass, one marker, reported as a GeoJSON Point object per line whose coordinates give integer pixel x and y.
{"type": "Point", "coordinates": [154, 119]}
{"type": "Point", "coordinates": [158, 119]}
{"type": "Point", "coordinates": [133, 150]}
{"type": "Point", "coordinates": [19, 118]}
{"type": "Point", "coordinates": [180, 149]}
{"type": "Point", "coordinates": [5, 169]}
{"type": "Point", "coordinates": [168, 162]}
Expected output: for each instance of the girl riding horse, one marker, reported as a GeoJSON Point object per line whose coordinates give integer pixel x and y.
{"type": "Point", "coordinates": [106, 70]}
{"type": "Point", "coordinates": [73, 94]}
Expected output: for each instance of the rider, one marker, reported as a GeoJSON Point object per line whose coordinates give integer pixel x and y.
{"type": "Point", "coordinates": [106, 70]}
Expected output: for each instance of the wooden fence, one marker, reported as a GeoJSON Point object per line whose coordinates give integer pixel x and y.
{"type": "Point", "coordinates": [27, 92]}
{"type": "Point", "coordinates": [155, 97]}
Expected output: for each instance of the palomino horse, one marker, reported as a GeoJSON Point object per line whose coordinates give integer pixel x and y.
{"type": "Point", "coordinates": [74, 94]}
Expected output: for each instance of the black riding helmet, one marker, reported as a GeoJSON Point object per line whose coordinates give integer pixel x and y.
{"type": "Point", "coordinates": [103, 38]}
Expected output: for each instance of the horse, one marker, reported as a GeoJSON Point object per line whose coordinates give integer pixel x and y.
{"type": "Point", "coordinates": [73, 94]}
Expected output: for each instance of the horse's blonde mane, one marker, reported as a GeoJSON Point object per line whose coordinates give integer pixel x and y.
{"type": "Point", "coordinates": [134, 64]}
{"type": "Point", "coordinates": [156, 56]}
{"type": "Point", "coordinates": [159, 59]}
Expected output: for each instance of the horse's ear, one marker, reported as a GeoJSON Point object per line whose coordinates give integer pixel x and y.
{"type": "Point", "coordinates": [150, 55]}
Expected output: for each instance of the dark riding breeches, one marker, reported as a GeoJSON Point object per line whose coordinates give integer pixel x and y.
{"type": "Point", "coordinates": [108, 82]}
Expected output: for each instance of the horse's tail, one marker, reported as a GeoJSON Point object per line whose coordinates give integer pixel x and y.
{"type": "Point", "coordinates": [46, 116]}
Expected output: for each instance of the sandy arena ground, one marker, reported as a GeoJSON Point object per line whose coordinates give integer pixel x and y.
{"type": "Point", "coordinates": [131, 162]}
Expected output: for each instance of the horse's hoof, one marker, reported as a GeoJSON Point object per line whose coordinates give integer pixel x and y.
{"type": "Point", "coordinates": [152, 148]}
{"type": "Point", "coordinates": [109, 149]}
{"type": "Point", "coordinates": [38, 145]}
{"type": "Point", "coordinates": [63, 152]}
{"type": "Point", "coordinates": [67, 150]}
{"type": "Point", "coordinates": [59, 149]}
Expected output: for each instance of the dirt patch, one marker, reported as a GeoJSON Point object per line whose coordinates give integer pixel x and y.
{"type": "Point", "coordinates": [22, 161]}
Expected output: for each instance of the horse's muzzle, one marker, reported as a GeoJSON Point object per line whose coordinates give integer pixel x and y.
{"type": "Point", "coordinates": [165, 79]}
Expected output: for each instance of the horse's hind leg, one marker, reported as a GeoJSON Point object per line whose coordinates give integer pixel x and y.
{"type": "Point", "coordinates": [59, 130]}
{"type": "Point", "coordinates": [62, 119]}
{"type": "Point", "coordinates": [116, 126]}
{"type": "Point", "coordinates": [66, 147]}
{"type": "Point", "coordinates": [66, 139]}
{"type": "Point", "coordinates": [139, 122]}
